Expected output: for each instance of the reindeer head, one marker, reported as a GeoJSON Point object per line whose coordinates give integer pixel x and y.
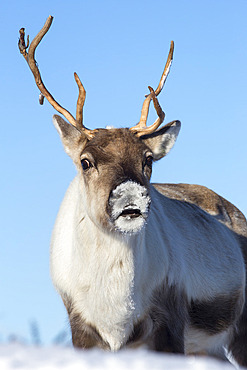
{"type": "Point", "coordinates": [114, 165]}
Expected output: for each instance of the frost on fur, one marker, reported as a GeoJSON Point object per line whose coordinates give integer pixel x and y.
{"type": "Point", "coordinates": [129, 204]}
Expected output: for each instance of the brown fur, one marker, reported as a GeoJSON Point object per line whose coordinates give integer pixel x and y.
{"type": "Point", "coordinates": [209, 201]}
{"type": "Point", "coordinates": [169, 314]}
{"type": "Point", "coordinates": [238, 345]}
{"type": "Point", "coordinates": [114, 163]}
{"type": "Point", "coordinates": [83, 335]}
{"type": "Point", "coordinates": [216, 315]}
{"type": "Point", "coordinates": [112, 150]}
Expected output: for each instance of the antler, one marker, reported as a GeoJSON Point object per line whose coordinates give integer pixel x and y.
{"type": "Point", "coordinates": [36, 73]}
{"type": "Point", "coordinates": [141, 128]}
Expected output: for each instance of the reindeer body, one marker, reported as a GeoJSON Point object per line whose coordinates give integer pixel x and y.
{"type": "Point", "coordinates": [155, 286]}
{"type": "Point", "coordinates": [135, 263]}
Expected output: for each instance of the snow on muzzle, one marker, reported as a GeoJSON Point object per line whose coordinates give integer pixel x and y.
{"type": "Point", "coordinates": [129, 204]}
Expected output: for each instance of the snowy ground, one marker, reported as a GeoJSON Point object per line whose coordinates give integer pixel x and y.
{"type": "Point", "coordinates": [24, 358]}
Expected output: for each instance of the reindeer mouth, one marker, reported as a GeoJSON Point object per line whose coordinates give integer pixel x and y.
{"type": "Point", "coordinates": [130, 213]}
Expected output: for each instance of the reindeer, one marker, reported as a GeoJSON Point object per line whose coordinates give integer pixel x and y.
{"type": "Point", "coordinates": [161, 265]}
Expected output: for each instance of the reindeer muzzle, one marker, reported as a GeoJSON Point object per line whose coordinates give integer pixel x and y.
{"type": "Point", "coordinates": [129, 206]}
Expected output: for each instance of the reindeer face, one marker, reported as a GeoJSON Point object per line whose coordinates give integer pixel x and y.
{"type": "Point", "coordinates": [115, 168]}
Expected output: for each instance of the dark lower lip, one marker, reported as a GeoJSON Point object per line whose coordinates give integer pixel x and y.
{"type": "Point", "coordinates": [131, 213]}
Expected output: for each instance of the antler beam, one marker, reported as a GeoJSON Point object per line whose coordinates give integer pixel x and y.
{"type": "Point", "coordinates": [29, 56]}
{"type": "Point", "coordinates": [141, 128]}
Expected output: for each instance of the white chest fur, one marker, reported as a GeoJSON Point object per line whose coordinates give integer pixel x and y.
{"type": "Point", "coordinates": [105, 292]}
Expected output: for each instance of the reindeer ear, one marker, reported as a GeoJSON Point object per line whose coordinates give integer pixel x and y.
{"type": "Point", "coordinates": [161, 141]}
{"type": "Point", "coordinates": [73, 140]}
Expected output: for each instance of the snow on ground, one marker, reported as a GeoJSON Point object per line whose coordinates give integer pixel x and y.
{"type": "Point", "coordinates": [13, 356]}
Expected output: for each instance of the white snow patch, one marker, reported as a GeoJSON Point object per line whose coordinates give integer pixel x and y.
{"type": "Point", "coordinates": [21, 357]}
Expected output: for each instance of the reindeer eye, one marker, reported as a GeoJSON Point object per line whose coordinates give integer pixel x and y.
{"type": "Point", "coordinates": [149, 161]}
{"type": "Point", "coordinates": [85, 164]}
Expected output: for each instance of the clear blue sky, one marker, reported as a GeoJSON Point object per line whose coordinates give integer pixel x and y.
{"type": "Point", "coordinates": [118, 48]}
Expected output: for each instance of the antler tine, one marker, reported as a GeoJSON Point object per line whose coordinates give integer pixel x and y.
{"type": "Point", "coordinates": [141, 128]}
{"type": "Point", "coordinates": [166, 69]}
{"type": "Point", "coordinates": [80, 101]}
{"type": "Point", "coordinates": [37, 76]}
